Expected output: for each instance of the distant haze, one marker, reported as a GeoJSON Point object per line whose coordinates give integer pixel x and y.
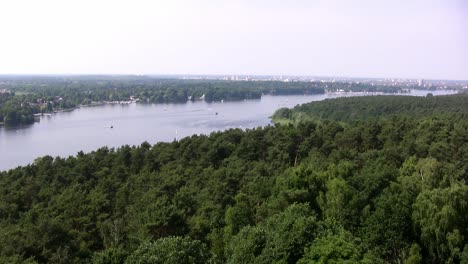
{"type": "Point", "coordinates": [349, 38]}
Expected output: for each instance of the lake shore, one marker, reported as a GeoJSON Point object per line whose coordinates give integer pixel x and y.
{"type": "Point", "coordinates": [88, 128]}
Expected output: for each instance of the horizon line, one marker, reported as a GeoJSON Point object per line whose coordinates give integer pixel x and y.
{"type": "Point", "coordinates": [225, 75]}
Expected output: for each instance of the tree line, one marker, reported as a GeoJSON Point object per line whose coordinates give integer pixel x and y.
{"type": "Point", "coordinates": [349, 109]}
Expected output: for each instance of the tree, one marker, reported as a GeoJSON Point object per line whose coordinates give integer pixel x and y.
{"type": "Point", "coordinates": [170, 250]}
{"type": "Point", "coordinates": [239, 215]}
{"type": "Point", "coordinates": [334, 246]}
{"type": "Point", "coordinates": [110, 256]}
{"type": "Point", "coordinates": [440, 216]}
{"type": "Point", "coordinates": [414, 255]}
{"type": "Point", "coordinates": [281, 239]}
{"type": "Point", "coordinates": [336, 203]}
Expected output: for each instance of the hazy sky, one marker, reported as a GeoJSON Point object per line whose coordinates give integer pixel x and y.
{"type": "Point", "coordinates": [367, 38]}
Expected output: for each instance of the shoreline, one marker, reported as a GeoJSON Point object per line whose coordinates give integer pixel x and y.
{"type": "Point", "coordinates": [409, 92]}
{"type": "Point", "coordinates": [103, 127]}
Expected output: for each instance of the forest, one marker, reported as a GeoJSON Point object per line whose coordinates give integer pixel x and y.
{"type": "Point", "coordinates": [348, 109]}
{"type": "Point", "coordinates": [45, 94]}
{"type": "Point", "coordinates": [383, 184]}
{"type": "Point", "coordinates": [13, 111]}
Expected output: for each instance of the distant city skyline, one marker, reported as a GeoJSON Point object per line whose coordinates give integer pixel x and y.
{"type": "Point", "coordinates": [251, 77]}
{"type": "Point", "coordinates": [413, 39]}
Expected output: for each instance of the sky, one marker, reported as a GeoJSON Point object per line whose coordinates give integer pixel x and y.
{"type": "Point", "coordinates": [347, 38]}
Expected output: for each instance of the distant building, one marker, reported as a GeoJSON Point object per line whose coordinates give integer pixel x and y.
{"type": "Point", "coordinates": [421, 83]}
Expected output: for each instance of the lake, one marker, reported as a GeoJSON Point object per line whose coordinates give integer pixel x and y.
{"type": "Point", "coordinates": [89, 128]}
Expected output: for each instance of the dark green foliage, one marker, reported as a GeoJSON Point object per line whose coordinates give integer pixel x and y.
{"type": "Point", "coordinates": [441, 216]}
{"type": "Point", "coordinates": [414, 255]}
{"type": "Point", "coordinates": [349, 109]}
{"type": "Point", "coordinates": [110, 256]}
{"type": "Point", "coordinates": [335, 245]}
{"type": "Point", "coordinates": [281, 239]}
{"type": "Point", "coordinates": [170, 250]}
{"type": "Point", "coordinates": [464, 255]}
{"type": "Point", "coordinates": [379, 190]}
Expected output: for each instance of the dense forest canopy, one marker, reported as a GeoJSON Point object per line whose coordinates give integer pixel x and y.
{"type": "Point", "coordinates": [27, 96]}
{"type": "Point", "coordinates": [349, 109]}
{"type": "Point", "coordinates": [374, 187]}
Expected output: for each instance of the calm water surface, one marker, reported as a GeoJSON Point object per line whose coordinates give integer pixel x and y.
{"type": "Point", "coordinates": [88, 128]}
